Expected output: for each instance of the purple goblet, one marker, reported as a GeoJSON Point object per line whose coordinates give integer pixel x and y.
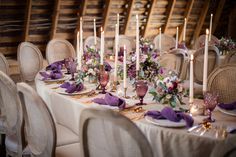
{"type": "Point", "coordinates": [67, 64]}
{"type": "Point", "coordinates": [103, 80]}
{"type": "Point", "coordinates": [72, 68]}
{"type": "Point", "coordinates": [210, 102]}
{"type": "Point", "coordinates": [141, 90]}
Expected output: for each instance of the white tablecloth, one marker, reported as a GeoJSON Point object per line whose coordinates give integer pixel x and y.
{"type": "Point", "coordinates": [165, 142]}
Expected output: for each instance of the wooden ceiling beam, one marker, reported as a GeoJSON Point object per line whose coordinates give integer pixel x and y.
{"type": "Point", "coordinates": [169, 12]}
{"type": "Point", "coordinates": [150, 11]}
{"type": "Point", "coordinates": [106, 14]}
{"type": "Point", "coordinates": [27, 20]}
{"type": "Point", "coordinates": [81, 13]}
{"type": "Point", "coordinates": [128, 16]}
{"type": "Point", "coordinates": [55, 18]}
{"type": "Point", "coordinates": [186, 15]}
{"type": "Point", "coordinates": [201, 20]}
{"type": "Point", "coordinates": [217, 15]}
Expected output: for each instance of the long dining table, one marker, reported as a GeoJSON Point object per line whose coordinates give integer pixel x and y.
{"type": "Point", "coordinates": [165, 141]}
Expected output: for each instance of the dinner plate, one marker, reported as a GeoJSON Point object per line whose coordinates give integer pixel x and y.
{"type": "Point", "coordinates": [228, 112]}
{"type": "Point", "coordinates": [63, 91]}
{"type": "Point", "coordinates": [165, 122]}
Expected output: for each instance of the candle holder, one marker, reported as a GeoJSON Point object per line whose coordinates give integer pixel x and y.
{"type": "Point", "coordinates": [125, 94]}
{"type": "Point", "coordinates": [196, 109]}
{"type": "Point", "coordinates": [137, 74]}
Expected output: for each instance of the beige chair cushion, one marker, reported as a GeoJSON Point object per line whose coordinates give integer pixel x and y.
{"type": "Point", "coordinates": [71, 150]}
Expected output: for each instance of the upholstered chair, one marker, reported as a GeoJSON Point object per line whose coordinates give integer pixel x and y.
{"type": "Point", "coordinates": [127, 41]}
{"type": "Point", "coordinates": [40, 128]}
{"type": "Point", "coordinates": [222, 80]}
{"type": "Point", "coordinates": [89, 41]}
{"type": "Point", "coordinates": [167, 42]}
{"type": "Point", "coordinates": [4, 66]}
{"type": "Point", "coordinates": [59, 49]}
{"type": "Point", "coordinates": [30, 61]}
{"type": "Point", "coordinates": [109, 134]}
{"type": "Point", "coordinates": [200, 42]}
{"type": "Point", "coordinates": [12, 118]}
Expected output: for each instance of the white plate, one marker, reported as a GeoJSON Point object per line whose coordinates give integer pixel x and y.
{"type": "Point", "coordinates": [228, 112]}
{"type": "Point", "coordinates": [63, 91]}
{"type": "Point", "coordinates": [165, 122]}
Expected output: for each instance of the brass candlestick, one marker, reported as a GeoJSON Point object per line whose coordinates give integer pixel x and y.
{"type": "Point", "coordinates": [125, 91]}
{"type": "Point", "coordinates": [137, 74]}
{"type": "Point", "coordinates": [114, 86]}
{"type": "Point", "coordinates": [196, 109]}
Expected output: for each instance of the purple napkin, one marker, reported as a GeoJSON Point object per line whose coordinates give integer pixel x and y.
{"type": "Point", "coordinates": [72, 87]}
{"type": "Point", "coordinates": [56, 66]}
{"type": "Point", "coordinates": [230, 106]}
{"type": "Point", "coordinates": [111, 100]}
{"type": "Point", "coordinates": [53, 75]}
{"type": "Point", "coordinates": [170, 114]}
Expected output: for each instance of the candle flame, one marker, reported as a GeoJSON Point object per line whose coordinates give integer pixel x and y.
{"type": "Point", "coordinates": [191, 57]}
{"type": "Point", "coordinates": [81, 19]}
{"type": "Point", "coordinates": [101, 29]}
{"type": "Point", "coordinates": [185, 19]}
{"type": "Point", "coordinates": [177, 28]}
{"type": "Point", "coordinates": [207, 31]}
{"type": "Point", "coordinates": [118, 15]}
{"type": "Point", "coordinates": [211, 15]}
{"type": "Point", "coordinates": [160, 29]}
{"type": "Point", "coordinates": [94, 20]}
{"type": "Point", "coordinates": [137, 16]}
{"type": "Point", "coordinates": [124, 47]}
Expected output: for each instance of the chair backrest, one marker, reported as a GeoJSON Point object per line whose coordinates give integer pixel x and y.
{"type": "Point", "coordinates": [30, 60]}
{"type": "Point", "coordinates": [222, 80]}
{"type": "Point", "coordinates": [200, 42]}
{"type": "Point", "coordinates": [11, 109]}
{"type": "Point", "coordinates": [89, 41]}
{"type": "Point", "coordinates": [167, 42]}
{"type": "Point", "coordinates": [4, 66]}
{"type": "Point", "coordinates": [39, 125]}
{"type": "Point", "coordinates": [127, 41]}
{"type": "Point", "coordinates": [107, 133]}
{"type": "Point", "coordinates": [230, 57]}
{"type": "Point", "coordinates": [198, 62]}
{"type": "Point", "coordinates": [59, 49]}
{"type": "Point", "coordinates": [176, 61]}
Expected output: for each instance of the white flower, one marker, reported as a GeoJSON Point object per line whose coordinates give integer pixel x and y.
{"type": "Point", "coordinates": [166, 80]}
{"type": "Point", "coordinates": [143, 58]}
{"type": "Point", "coordinates": [90, 61]}
{"type": "Point", "coordinates": [133, 58]}
{"type": "Point", "coordinates": [168, 96]}
{"type": "Point", "coordinates": [91, 71]}
{"type": "Point", "coordinates": [169, 85]}
{"type": "Point", "coordinates": [180, 87]}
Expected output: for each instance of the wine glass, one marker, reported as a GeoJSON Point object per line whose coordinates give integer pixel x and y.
{"type": "Point", "coordinates": [67, 64]}
{"type": "Point", "coordinates": [141, 90]}
{"type": "Point", "coordinates": [103, 80]}
{"type": "Point", "coordinates": [210, 102]}
{"type": "Point", "coordinates": [72, 68]}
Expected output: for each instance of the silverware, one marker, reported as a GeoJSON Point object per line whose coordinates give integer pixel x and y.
{"type": "Point", "coordinates": [194, 128]}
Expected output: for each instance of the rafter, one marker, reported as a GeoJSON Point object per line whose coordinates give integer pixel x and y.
{"type": "Point", "coordinates": [128, 17]}
{"type": "Point", "coordinates": [150, 11]}
{"type": "Point", "coordinates": [218, 14]}
{"type": "Point", "coordinates": [201, 20]}
{"type": "Point", "coordinates": [55, 18]}
{"type": "Point", "coordinates": [106, 14]}
{"type": "Point", "coordinates": [186, 15]}
{"type": "Point", "coordinates": [169, 12]}
{"type": "Point", "coordinates": [27, 20]}
{"type": "Point", "coordinates": [81, 13]}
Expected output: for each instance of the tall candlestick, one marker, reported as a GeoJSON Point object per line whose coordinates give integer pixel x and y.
{"type": "Point", "coordinates": [185, 25]}
{"type": "Point", "coordinates": [102, 47]}
{"type": "Point", "coordinates": [205, 67]}
{"type": "Point", "coordinates": [116, 53]}
{"type": "Point", "coordinates": [177, 37]}
{"type": "Point", "coordinates": [78, 51]}
{"type": "Point", "coordinates": [191, 93]}
{"type": "Point", "coordinates": [81, 39]}
{"type": "Point", "coordinates": [118, 22]}
{"type": "Point", "coordinates": [160, 39]}
{"type": "Point", "coordinates": [210, 27]}
{"type": "Point", "coordinates": [137, 43]}
{"type": "Point", "coordinates": [95, 33]}
{"type": "Point", "coordinates": [125, 71]}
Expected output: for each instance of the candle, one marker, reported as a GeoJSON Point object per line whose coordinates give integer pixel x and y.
{"type": "Point", "coordinates": [185, 25]}
{"type": "Point", "coordinates": [125, 71]}
{"type": "Point", "coordinates": [118, 23]}
{"type": "Point", "coordinates": [160, 39]}
{"type": "Point", "coordinates": [137, 43]}
{"type": "Point", "coordinates": [78, 51]}
{"type": "Point", "coordinates": [95, 33]}
{"type": "Point", "coordinates": [205, 66]}
{"type": "Point", "coordinates": [176, 38]}
{"type": "Point", "coordinates": [81, 39]}
{"type": "Point", "coordinates": [102, 47]}
{"type": "Point", "coordinates": [210, 27]}
{"type": "Point", "coordinates": [191, 93]}
{"type": "Point", "coordinates": [116, 53]}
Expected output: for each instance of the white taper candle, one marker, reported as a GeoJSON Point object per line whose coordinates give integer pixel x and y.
{"type": "Point", "coordinates": [78, 51]}
{"type": "Point", "coordinates": [210, 30]}
{"type": "Point", "coordinates": [102, 47]}
{"type": "Point", "coordinates": [160, 39]}
{"type": "Point", "coordinates": [81, 39]}
{"type": "Point", "coordinates": [124, 68]}
{"type": "Point", "coordinates": [95, 32]}
{"type": "Point", "coordinates": [191, 86]}
{"type": "Point", "coordinates": [205, 66]}
{"type": "Point", "coordinates": [116, 53]}
{"type": "Point", "coordinates": [137, 43]}
{"type": "Point", "coordinates": [185, 27]}
{"type": "Point", "coordinates": [177, 37]}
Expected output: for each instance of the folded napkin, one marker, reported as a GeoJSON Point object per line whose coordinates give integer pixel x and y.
{"type": "Point", "coordinates": [111, 100]}
{"type": "Point", "coordinates": [55, 66]}
{"type": "Point", "coordinates": [230, 106]}
{"type": "Point", "coordinates": [53, 75]}
{"type": "Point", "coordinates": [72, 87]}
{"type": "Point", "coordinates": [170, 114]}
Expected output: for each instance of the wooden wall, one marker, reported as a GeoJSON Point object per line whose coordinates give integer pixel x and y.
{"type": "Point", "coordinates": [38, 21]}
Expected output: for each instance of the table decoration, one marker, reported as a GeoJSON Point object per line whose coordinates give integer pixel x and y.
{"type": "Point", "coordinates": [67, 62]}
{"type": "Point", "coordinates": [94, 32]}
{"type": "Point", "coordinates": [111, 100]}
{"type": "Point", "coordinates": [159, 39]}
{"type": "Point", "coordinates": [226, 45]}
{"type": "Point", "coordinates": [141, 88]}
{"type": "Point", "coordinates": [185, 27]}
{"type": "Point", "coordinates": [210, 29]}
{"type": "Point", "coordinates": [177, 37]}
{"type": "Point", "coordinates": [72, 68]}
{"type": "Point", "coordinates": [171, 115]}
{"type": "Point", "coordinates": [210, 102]}
{"type": "Point", "coordinates": [56, 66]}
{"type": "Point", "coordinates": [168, 90]}
{"type": "Point", "coordinates": [53, 75]}
{"type": "Point", "coordinates": [72, 87]}
{"type": "Point", "coordinates": [103, 80]}
{"type": "Point", "coordinates": [137, 45]}
{"type": "Point", "coordinates": [205, 64]}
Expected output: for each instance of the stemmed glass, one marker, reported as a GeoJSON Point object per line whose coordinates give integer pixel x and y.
{"type": "Point", "coordinates": [67, 64]}
{"type": "Point", "coordinates": [210, 102]}
{"type": "Point", "coordinates": [72, 68]}
{"type": "Point", "coordinates": [103, 80]}
{"type": "Point", "coordinates": [141, 90]}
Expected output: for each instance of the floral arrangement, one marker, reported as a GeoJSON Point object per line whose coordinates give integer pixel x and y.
{"type": "Point", "coordinates": [226, 44]}
{"type": "Point", "coordinates": [146, 45]}
{"type": "Point", "coordinates": [168, 89]}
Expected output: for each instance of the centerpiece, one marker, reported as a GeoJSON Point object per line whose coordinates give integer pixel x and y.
{"type": "Point", "coordinates": [226, 45]}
